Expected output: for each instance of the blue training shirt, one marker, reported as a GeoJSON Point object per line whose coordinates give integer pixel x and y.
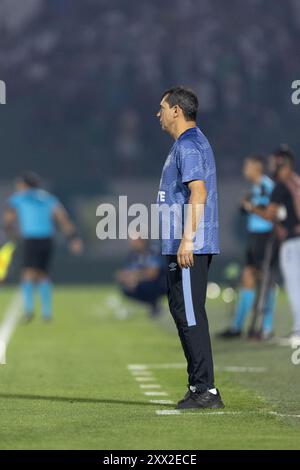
{"type": "Point", "coordinates": [34, 208]}
{"type": "Point", "coordinates": [260, 195]}
{"type": "Point", "coordinates": [191, 158]}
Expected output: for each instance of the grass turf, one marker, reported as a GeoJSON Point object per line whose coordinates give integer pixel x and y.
{"type": "Point", "coordinates": [66, 385]}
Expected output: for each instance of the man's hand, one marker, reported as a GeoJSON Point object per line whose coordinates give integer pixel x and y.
{"type": "Point", "coordinates": [129, 279]}
{"type": "Point", "coordinates": [76, 246]}
{"type": "Point", "coordinates": [247, 205]}
{"type": "Point", "coordinates": [185, 256]}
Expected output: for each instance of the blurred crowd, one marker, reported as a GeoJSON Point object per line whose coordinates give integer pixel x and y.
{"type": "Point", "coordinates": [93, 73]}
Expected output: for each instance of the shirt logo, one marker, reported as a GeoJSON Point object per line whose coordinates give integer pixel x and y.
{"type": "Point", "coordinates": [162, 196]}
{"type": "Point", "coordinates": [173, 266]}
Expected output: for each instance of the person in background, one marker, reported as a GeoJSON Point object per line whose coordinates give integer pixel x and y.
{"type": "Point", "coordinates": [36, 211]}
{"type": "Point", "coordinates": [284, 209]}
{"type": "Point", "coordinates": [259, 232]}
{"type": "Point", "coordinates": [142, 278]}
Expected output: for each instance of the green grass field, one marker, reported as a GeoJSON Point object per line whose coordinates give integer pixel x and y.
{"type": "Point", "coordinates": [67, 385]}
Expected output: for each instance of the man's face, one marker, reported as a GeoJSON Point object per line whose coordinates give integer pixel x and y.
{"type": "Point", "coordinates": [283, 172]}
{"type": "Point", "coordinates": [20, 186]}
{"type": "Point", "coordinates": [273, 162]}
{"type": "Point", "coordinates": [166, 115]}
{"type": "Point", "coordinates": [138, 244]}
{"type": "Point", "coordinates": [251, 169]}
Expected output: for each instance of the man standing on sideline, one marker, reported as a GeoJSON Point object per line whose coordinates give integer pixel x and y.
{"type": "Point", "coordinates": [259, 234]}
{"type": "Point", "coordinates": [284, 208]}
{"type": "Point", "coordinates": [188, 182]}
{"type": "Point", "coordinates": [36, 211]}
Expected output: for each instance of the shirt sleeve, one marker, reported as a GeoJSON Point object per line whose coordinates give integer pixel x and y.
{"type": "Point", "coordinates": [153, 262]}
{"type": "Point", "coordinates": [54, 203]}
{"type": "Point", "coordinates": [278, 194]}
{"type": "Point", "coordinates": [269, 185]}
{"type": "Point", "coordinates": [12, 201]}
{"type": "Point", "coordinates": [191, 162]}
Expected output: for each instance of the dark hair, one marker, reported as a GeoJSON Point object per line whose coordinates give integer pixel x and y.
{"type": "Point", "coordinates": [31, 179]}
{"type": "Point", "coordinates": [256, 159]}
{"type": "Point", "coordinates": [185, 98]}
{"type": "Point", "coordinates": [284, 154]}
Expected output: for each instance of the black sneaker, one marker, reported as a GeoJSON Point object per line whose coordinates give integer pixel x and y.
{"type": "Point", "coordinates": [230, 333]}
{"type": "Point", "coordinates": [201, 400]}
{"type": "Point", "coordinates": [155, 310]}
{"type": "Point", "coordinates": [47, 319]}
{"type": "Point", "coordinates": [27, 318]}
{"type": "Point", "coordinates": [186, 396]}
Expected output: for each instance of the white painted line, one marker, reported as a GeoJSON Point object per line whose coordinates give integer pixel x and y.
{"type": "Point", "coordinates": [173, 365]}
{"type": "Point", "coordinates": [207, 412]}
{"type": "Point", "coordinates": [241, 369]}
{"type": "Point", "coordinates": [156, 394]}
{"type": "Point", "coordinates": [144, 379]}
{"type": "Point", "coordinates": [150, 386]}
{"type": "Point", "coordinates": [2, 352]}
{"type": "Point", "coordinates": [179, 365]}
{"type": "Point", "coordinates": [144, 373]}
{"type": "Point", "coordinates": [9, 324]}
{"type": "Point", "coordinates": [196, 412]}
{"type": "Point", "coordinates": [163, 402]}
{"type": "Point", "coordinates": [137, 367]}
{"type": "Point", "coordinates": [283, 415]}
{"type": "Point", "coordinates": [168, 412]}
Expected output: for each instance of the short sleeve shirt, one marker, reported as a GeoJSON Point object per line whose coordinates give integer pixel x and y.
{"type": "Point", "coordinates": [282, 196]}
{"type": "Point", "coordinates": [191, 158]}
{"type": "Point", "coordinates": [260, 196]}
{"type": "Point", "coordinates": [34, 209]}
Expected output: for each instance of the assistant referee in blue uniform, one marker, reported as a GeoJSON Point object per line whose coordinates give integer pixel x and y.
{"type": "Point", "coordinates": [190, 238]}
{"type": "Point", "coordinates": [36, 213]}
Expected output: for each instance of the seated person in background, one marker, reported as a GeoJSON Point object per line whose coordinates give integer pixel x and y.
{"type": "Point", "coordinates": [143, 278]}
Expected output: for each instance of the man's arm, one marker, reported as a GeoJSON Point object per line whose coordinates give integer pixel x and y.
{"type": "Point", "coordinates": [9, 222]}
{"type": "Point", "coordinates": [269, 213]}
{"type": "Point", "coordinates": [149, 274]}
{"type": "Point", "coordinates": [68, 229]}
{"type": "Point", "coordinates": [194, 215]}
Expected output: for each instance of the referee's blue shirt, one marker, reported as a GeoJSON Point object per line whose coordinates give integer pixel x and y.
{"type": "Point", "coordinates": [191, 158]}
{"type": "Point", "coordinates": [34, 208]}
{"type": "Point", "coordinates": [260, 195]}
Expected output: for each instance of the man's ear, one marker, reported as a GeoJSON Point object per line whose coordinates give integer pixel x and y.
{"type": "Point", "coordinates": [176, 110]}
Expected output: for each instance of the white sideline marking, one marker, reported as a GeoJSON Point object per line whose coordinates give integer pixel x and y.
{"type": "Point", "coordinates": [167, 412]}
{"type": "Point", "coordinates": [150, 385]}
{"type": "Point", "coordinates": [143, 379]}
{"type": "Point", "coordinates": [2, 352]}
{"type": "Point", "coordinates": [163, 402]}
{"type": "Point", "coordinates": [245, 413]}
{"type": "Point", "coordinates": [179, 365]}
{"type": "Point", "coordinates": [183, 413]}
{"type": "Point", "coordinates": [156, 394]}
{"type": "Point", "coordinates": [137, 367]}
{"type": "Point", "coordinates": [141, 372]}
{"type": "Point", "coordinates": [283, 415]}
{"type": "Point", "coordinates": [241, 369]}
{"type": "Point", "coordinates": [9, 323]}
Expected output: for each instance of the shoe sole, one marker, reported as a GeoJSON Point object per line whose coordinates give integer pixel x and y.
{"type": "Point", "coordinates": [25, 320]}
{"type": "Point", "coordinates": [199, 407]}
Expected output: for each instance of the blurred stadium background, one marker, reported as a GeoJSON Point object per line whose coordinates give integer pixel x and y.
{"type": "Point", "coordinates": [83, 85]}
{"type": "Point", "coordinates": [84, 79]}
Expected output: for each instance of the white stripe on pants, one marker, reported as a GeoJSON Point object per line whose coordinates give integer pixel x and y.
{"type": "Point", "coordinates": [290, 268]}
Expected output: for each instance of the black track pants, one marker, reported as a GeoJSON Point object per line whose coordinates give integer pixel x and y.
{"type": "Point", "coordinates": [187, 295]}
